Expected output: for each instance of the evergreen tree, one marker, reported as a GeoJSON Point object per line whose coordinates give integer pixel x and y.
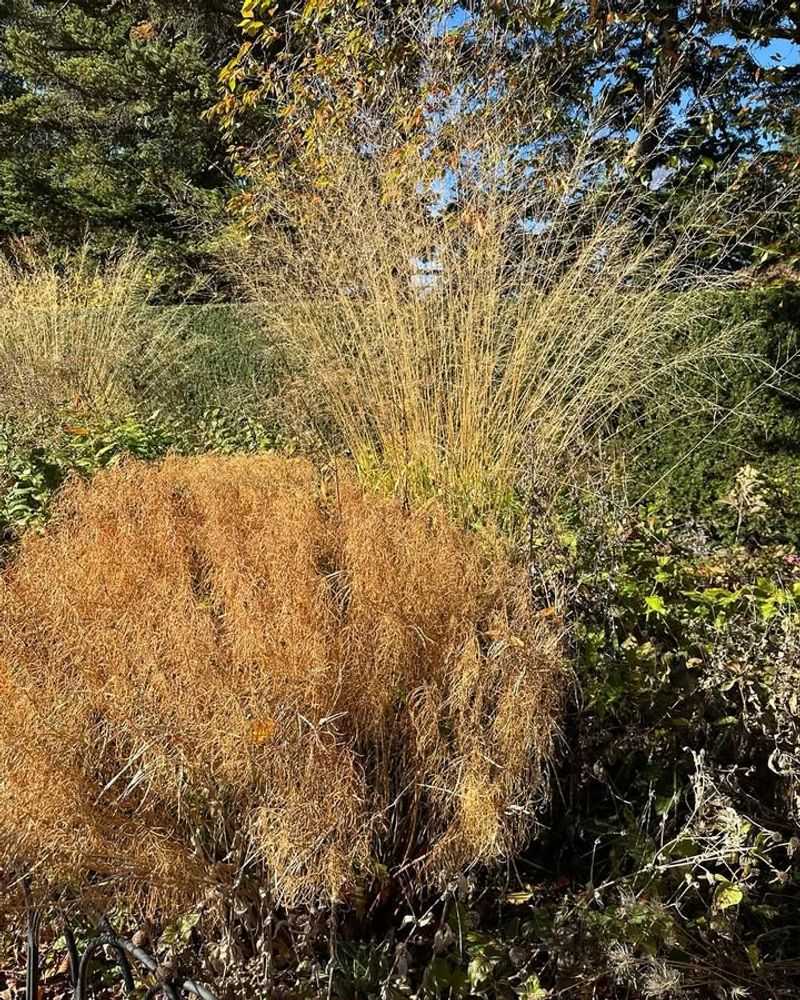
{"type": "Point", "coordinates": [102, 128]}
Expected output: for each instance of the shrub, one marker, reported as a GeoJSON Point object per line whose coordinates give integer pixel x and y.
{"type": "Point", "coordinates": [752, 415]}
{"type": "Point", "coordinates": [222, 364]}
{"type": "Point", "coordinates": [214, 669]}
{"type": "Point", "coordinates": [681, 841]}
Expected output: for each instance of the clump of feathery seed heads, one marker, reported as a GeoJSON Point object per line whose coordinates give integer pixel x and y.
{"type": "Point", "coordinates": [78, 337]}
{"type": "Point", "coordinates": [494, 349]}
{"type": "Point", "coordinates": [213, 667]}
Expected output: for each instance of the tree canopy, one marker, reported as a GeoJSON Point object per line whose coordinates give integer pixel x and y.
{"type": "Point", "coordinates": [685, 86]}
{"type": "Point", "coordinates": [328, 60]}
{"type": "Point", "coordinates": [133, 118]}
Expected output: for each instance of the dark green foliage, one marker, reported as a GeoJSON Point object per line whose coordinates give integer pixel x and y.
{"type": "Point", "coordinates": [227, 364]}
{"type": "Point", "coordinates": [682, 781]}
{"type": "Point", "coordinates": [747, 414]}
{"type": "Point", "coordinates": [101, 126]}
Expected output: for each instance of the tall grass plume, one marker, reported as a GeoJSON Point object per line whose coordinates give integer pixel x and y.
{"type": "Point", "coordinates": [78, 336]}
{"type": "Point", "coordinates": [479, 332]}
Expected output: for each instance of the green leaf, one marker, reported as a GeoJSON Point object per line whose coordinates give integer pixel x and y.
{"type": "Point", "coordinates": [728, 895]}
{"type": "Point", "coordinates": [479, 970]}
{"type": "Point", "coordinates": [519, 898]}
{"type": "Point", "coordinates": [714, 596]}
{"type": "Point", "coordinates": [532, 989]}
{"type": "Point", "coordinates": [656, 604]}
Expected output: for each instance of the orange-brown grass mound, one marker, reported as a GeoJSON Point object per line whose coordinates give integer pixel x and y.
{"type": "Point", "coordinates": [217, 667]}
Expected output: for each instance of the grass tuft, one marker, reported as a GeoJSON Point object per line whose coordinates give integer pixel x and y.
{"type": "Point", "coordinates": [77, 337]}
{"type": "Point", "coordinates": [220, 667]}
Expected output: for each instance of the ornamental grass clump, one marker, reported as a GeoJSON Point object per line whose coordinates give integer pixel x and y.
{"type": "Point", "coordinates": [487, 338]}
{"type": "Point", "coordinates": [217, 668]}
{"type": "Point", "coordinates": [82, 337]}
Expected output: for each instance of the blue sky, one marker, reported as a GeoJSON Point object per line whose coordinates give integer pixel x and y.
{"type": "Point", "coordinates": [776, 53]}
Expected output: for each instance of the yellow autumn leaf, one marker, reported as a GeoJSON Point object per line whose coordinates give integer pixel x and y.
{"type": "Point", "coordinates": [262, 730]}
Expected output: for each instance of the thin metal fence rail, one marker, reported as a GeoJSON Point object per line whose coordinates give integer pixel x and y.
{"type": "Point", "coordinates": [97, 948]}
